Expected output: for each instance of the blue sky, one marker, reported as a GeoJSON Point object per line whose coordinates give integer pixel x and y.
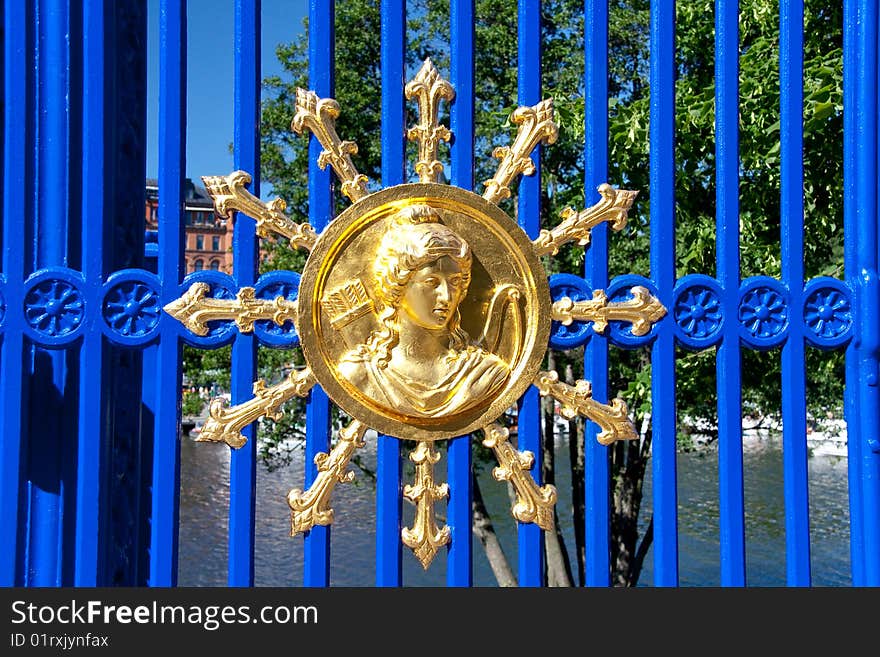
{"type": "Point", "coordinates": [209, 76]}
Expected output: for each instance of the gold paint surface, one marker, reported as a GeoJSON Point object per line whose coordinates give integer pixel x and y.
{"type": "Point", "coordinates": [457, 318]}
{"type": "Point", "coordinates": [533, 503]}
{"type": "Point", "coordinates": [429, 89]}
{"type": "Point", "coordinates": [425, 538]}
{"type": "Point", "coordinates": [229, 194]}
{"type": "Point", "coordinates": [194, 309]}
{"type": "Point", "coordinates": [312, 507]}
{"type": "Point", "coordinates": [423, 310]}
{"type": "Point", "coordinates": [578, 399]}
{"type": "Point", "coordinates": [536, 126]}
{"type": "Point", "coordinates": [612, 207]}
{"type": "Point", "coordinates": [642, 311]}
{"type": "Point", "coordinates": [319, 115]}
{"type": "Point", "coordinates": [225, 423]}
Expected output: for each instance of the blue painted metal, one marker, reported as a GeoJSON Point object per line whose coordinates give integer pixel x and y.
{"type": "Point", "coordinates": [48, 370]}
{"type": "Point", "coordinates": [620, 333]}
{"type": "Point", "coordinates": [697, 311]}
{"type": "Point", "coordinates": [596, 468]}
{"type": "Point", "coordinates": [662, 193]}
{"type": "Point", "coordinates": [764, 312]}
{"type": "Point", "coordinates": [850, 264]}
{"type": "Point", "coordinates": [462, 56]}
{"type": "Point", "coordinates": [270, 286]}
{"type": "Point", "coordinates": [794, 378]}
{"type": "Point", "coordinates": [388, 486]}
{"type": "Point", "coordinates": [730, 460]}
{"type": "Point", "coordinates": [17, 139]}
{"type": "Point", "coordinates": [575, 334]}
{"type": "Point", "coordinates": [868, 287]}
{"type": "Point", "coordinates": [120, 325]}
{"type": "Point", "coordinates": [531, 548]}
{"type": "Point", "coordinates": [459, 561]}
{"type": "Point", "coordinates": [93, 388]}
{"type": "Point", "coordinates": [162, 362]}
{"type": "Point", "coordinates": [321, 81]}
{"type": "Point", "coordinates": [126, 307]}
{"type": "Point", "coordinates": [828, 312]}
{"type": "Point", "coordinates": [243, 461]}
{"type": "Point", "coordinates": [317, 540]}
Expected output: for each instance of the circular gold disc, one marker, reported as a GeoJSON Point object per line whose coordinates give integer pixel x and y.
{"type": "Point", "coordinates": [424, 311]}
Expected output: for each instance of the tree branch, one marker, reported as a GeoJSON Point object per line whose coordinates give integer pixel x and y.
{"type": "Point", "coordinates": [484, 531]}
{"type": "Point", "coordinates": [636, 566]}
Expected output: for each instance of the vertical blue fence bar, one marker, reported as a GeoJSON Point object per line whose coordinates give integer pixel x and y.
{"type": "Point", "coordinates": [663, 401]}
{"type": "Point", "coordinates": [17, 131]}
{"type": "Point", "coordinates": [53, 67]}
{"type": "Point", "coordinates": [321, 69]}
{"type": "Point", "coordinates": [868, 332]}
{"type": "Point", "coordinates": [850, 260]}
{"type": "Point", "coordinates": [794, 379]}
{"type": "Point", "coordinates": [730, 457]}
{"type": "Point", "coordinates": [162, 362]}
{"type": "Point", "coordinates": [49, 368]}
{"type": "Point", "coordinates": [90, 460]}
{"type": "Point", "coordinates": [596, 563]}
{"type": "Point", "coordinates": [388, 547]}
{"type": "Point", "coordinates": [242, 466]}
{"type": "Point", "coordinates": [459, 564]}
{"type": "Point", "coordinates": [531, 538]}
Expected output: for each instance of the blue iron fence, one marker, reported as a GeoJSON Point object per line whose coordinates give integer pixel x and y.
{"type": "Point", "coordinates": [90, 368]}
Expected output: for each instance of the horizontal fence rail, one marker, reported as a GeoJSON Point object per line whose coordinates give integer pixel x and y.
{"type": "Point", "coordinates": [91, 367]}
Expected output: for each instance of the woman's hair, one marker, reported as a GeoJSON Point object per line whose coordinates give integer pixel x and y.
{"type": "Point", "coordinates": [414, 241]}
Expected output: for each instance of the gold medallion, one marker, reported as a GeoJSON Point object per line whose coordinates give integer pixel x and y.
{"type": "Point", "coordinates": [424, 312]}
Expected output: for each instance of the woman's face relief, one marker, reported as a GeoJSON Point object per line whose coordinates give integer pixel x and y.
{"type": "Point", "coordinates": [433, 293]}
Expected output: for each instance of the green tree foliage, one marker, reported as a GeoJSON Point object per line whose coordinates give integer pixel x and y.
{"type": "Point", "coordinates": [193, 403]}
{"type": "Point", "coordinates": [358, 87]}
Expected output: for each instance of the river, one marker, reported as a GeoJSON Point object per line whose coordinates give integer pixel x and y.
{"type": "Point", "coordinates": [204, 501]}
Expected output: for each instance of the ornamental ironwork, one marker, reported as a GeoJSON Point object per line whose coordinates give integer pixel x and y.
{"type": "Point", "coordinates": [423, 310]}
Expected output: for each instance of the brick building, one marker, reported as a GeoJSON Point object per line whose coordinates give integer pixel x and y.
{"type": "Point", "coordinates": [208, 236]}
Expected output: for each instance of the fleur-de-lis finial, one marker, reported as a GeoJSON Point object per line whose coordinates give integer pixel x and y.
{"type": "Point", "coordinates": [194, 309]}
{"type": "Point", "coordinates": [425, 537]}
{"type": "Point", "coordinates": [430, 89]}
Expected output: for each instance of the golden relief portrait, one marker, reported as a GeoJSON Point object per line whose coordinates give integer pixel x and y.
{"type": "Point", "coordinates": [416, 316]}
{"type": "Point", "coordinates": [420, 361]}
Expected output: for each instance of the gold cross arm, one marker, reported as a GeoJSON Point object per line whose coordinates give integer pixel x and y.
{"type": "Point", "coordinates": [642, 311]}
{"type": "Point", "coordinates": [536, 126]}
{"type": "Point", "coordinates": [533, 503]}
{"type": "Point", "coordinates": [194, 309]}
{"type": "Point", "coordinates": [319, 115]}
{"type": "Point", "coordinates": [578, 400]}
{"type": "Point", "coordinates": [229, 194]}
{"type": "Point", "coordinates": [576, 225]}
{"type": "Point", "coordinates": [225, 423]}
{"type": "Point", "coordinates": [312, 507]}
